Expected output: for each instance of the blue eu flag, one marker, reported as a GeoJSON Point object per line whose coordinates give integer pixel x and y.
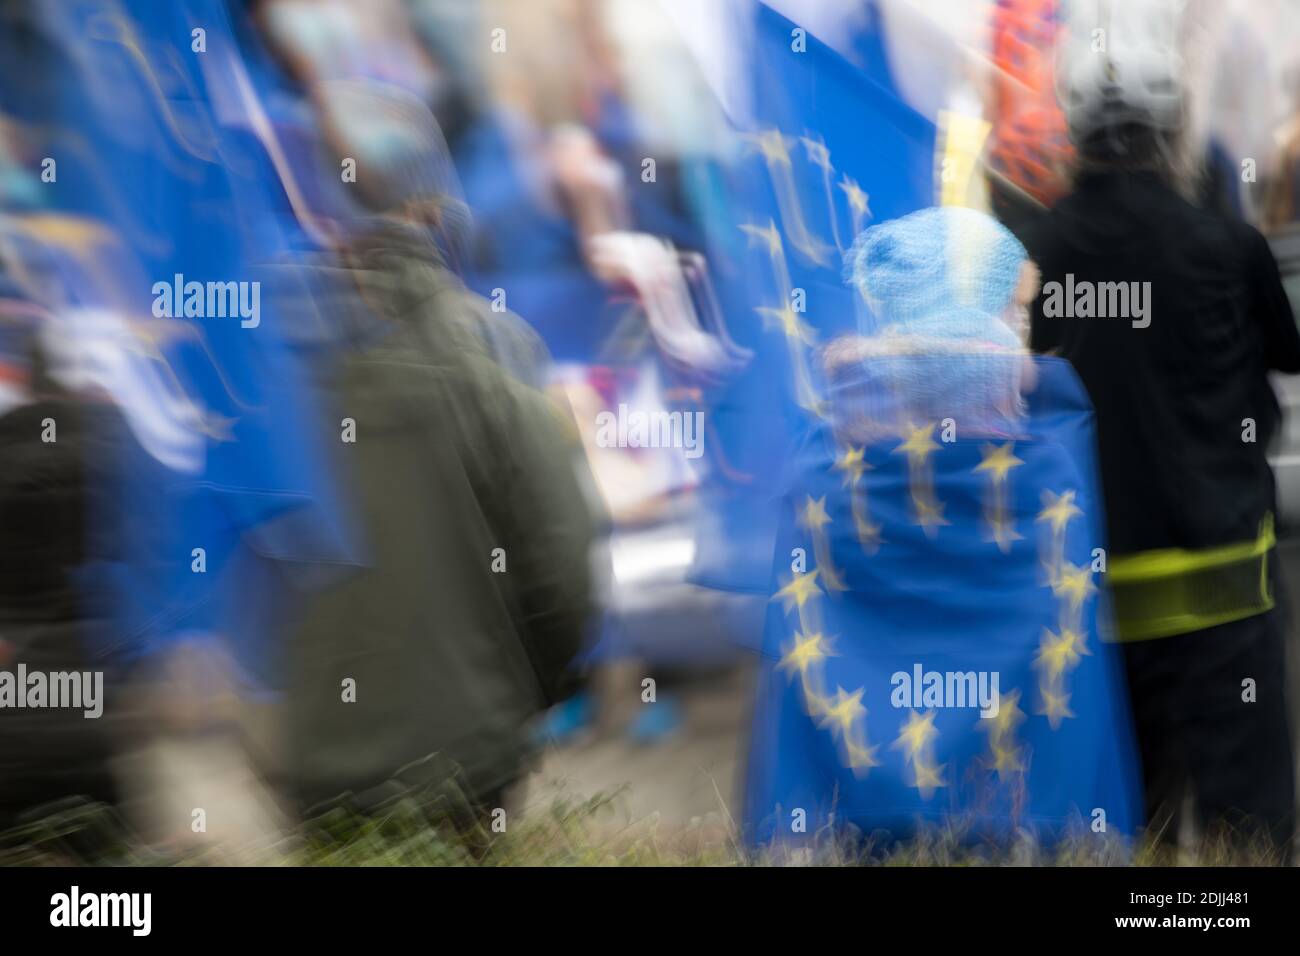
{"type": "Point", "coordinates": [934, 647]}
{"type": "Point", "coordinates": [831, 148]}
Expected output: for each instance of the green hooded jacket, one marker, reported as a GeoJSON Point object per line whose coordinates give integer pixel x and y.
{"type": "Point", "coordinates": [466, 482]}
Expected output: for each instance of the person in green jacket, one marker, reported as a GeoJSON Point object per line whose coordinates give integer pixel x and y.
{"type": "Point", "coordinates": [421, 670]}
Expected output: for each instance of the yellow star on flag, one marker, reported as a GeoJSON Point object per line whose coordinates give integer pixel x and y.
{"type": "Point", "coordinates": [1056, 654]}
{"type": "Point", "coordinates": [853, 463]}
{"type": "Point", "coordinates": [1075, 583]}
{"type": "Point", "coordinates": [788, 321]}
{"type": "Point", "coordinates": [920, 444]}
{"type": "Point", "coordinates": [818, 154]}
{"type": "Point", "coordinates": [998, 460]}
{"type": "Point", "coordinates": [806, 650]}
{"type": "Point", "coordinates": [842, 714]}
{"type": "Point", "coordinates": [770, 237]}
{"type": "Point", "coordinates": [916, 733]}
{"type": "Point", "coordinates": [856, 197]}
{"type": "Point", "coordinates": [1007, 760]}
{"type": "Point", "coordinates": [774, 147]}
{"type": "Point", "coordinates": [813, 515]}
{"type": "Point", "coordinates": [1008, 717]}
{"type": "Point", "coordinates": [861, 757]}
{"type": "Point", "coordinates": [799, 590]}
{"type": "Point", "coordinates": [1056, 706]}
{"type": "Point", "coordinates": [1058, 510]}
{"type": "Point", "coordinates": [929, 777]}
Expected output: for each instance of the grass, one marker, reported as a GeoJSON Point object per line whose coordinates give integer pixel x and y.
{"type": "Point", "coordinates": [562, 831]}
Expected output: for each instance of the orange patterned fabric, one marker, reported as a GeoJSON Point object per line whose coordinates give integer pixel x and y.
{"type": "Point", "coordinates": [1030, 145]}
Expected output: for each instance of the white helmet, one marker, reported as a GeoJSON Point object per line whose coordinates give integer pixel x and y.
{"type": "Point", "coordinates": [1121, 66]}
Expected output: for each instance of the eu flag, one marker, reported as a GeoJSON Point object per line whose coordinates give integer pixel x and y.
{"type": "Point", "coordinates": [934, 647]}
{"type": "Point", "coordinates": [830, 148]}
{"type": "Point", "coordinates": [161, 178]}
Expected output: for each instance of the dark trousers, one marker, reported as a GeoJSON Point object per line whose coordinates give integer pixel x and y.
{"type": "Point", "coordinates": [1194, 729]}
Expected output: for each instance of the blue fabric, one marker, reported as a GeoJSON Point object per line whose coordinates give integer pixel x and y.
{"type": "Point", "coordinates": [949, 597]}
{"type": "Point", "coordinates": [163, 161]}
{"type": "Point", "coordinates": [875, 140]}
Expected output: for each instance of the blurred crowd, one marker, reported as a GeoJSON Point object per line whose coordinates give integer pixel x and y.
{"type": "Point", "coordinates": [391, 390]}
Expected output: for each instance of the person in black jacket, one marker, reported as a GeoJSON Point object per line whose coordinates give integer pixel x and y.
{"type": "Point", "coordinates": [54, 448]}
{"type": "Point", "coordinates": [1173, 318]}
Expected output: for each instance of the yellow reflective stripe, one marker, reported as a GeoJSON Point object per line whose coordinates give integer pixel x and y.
{"type": "Point", "coordinates": [1168, 562]}
{"type": "Point", "coordinates": [1169, 592]}
{"type": "Point", "coordinates": [1153, 628]}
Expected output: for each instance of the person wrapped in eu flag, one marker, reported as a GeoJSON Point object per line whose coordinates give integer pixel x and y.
{"type": "Point", "coordinates": [933, 649]}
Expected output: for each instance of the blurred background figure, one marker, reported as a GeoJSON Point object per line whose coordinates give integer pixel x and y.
{"type": "Point", "coordinates": [53, 522]}
{"type": "Point", "coordinates": [423, 669]}
{"type": "Point", "coordinates": [1185, 415]}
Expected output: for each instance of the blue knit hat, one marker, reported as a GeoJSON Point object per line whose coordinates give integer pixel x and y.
{"type": "Point", "coordinates": [937, 260]}
{"type": "Point", "coordinates": [939, 283]}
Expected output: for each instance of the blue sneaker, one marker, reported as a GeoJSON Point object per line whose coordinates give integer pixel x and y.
{"type": "Point", "coordinates": [565, 721]}
{"type": "Point", "coordinates": [656, 722]}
